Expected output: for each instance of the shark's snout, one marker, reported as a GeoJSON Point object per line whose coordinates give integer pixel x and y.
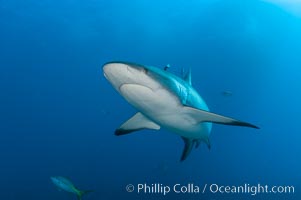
{"type": "Point", "coordinates": [122, 69]}
{"type": "Point", "coordinates": [111, 69]}
{"type": "Point", "coordinates": [122, 73]}
{"type": "Point", "coordinates": [116, 73]}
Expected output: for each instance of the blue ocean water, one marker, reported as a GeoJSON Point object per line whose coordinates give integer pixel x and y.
{"type": "Point", "coordinates": [58, 113]}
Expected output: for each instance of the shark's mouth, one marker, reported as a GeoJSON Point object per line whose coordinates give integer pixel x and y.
{"type": "Point", "coordinates": [105, 75]}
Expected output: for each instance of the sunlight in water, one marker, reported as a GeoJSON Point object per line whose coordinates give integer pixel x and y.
{"type": "Point", "coordinates": [293, 6]}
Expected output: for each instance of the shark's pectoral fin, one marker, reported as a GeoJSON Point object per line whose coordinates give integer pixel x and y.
{"type": "Point", "coordinates": [187, 148]}
{"type": "Point", "coordinates": [205, 116]}
{"type": "Point", "coordinates": [135, 123]}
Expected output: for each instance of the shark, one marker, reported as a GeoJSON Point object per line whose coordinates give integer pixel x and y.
{"type": "Point", "coordinates": [65, 184]}
{"type": "Point", "coordinates": [164, 100]}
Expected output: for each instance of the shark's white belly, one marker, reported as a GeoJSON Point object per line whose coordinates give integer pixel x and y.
{"type": "Point", "coordinates": [164, 108]}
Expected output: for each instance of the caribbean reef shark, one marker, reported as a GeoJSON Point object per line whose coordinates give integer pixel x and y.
{"type": "Point", "coordinates": [164, 100]}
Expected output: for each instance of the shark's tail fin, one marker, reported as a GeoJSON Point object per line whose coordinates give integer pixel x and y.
{"type": "Point", "coordinates": [82, 192]}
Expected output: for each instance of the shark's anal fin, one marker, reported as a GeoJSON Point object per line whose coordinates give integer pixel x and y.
{"type": "Point", "coordinates": [136, 123]}
{"type": "Point", "coordinates": [205, 116]}
{"type": "Point", "coordinates": [207, 141]}
{"type": "Point", "coordinates": [197, 143]}
{"type": "Point", "coordinates": [188, 145]}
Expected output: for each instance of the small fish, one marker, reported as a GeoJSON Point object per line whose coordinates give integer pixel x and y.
{"type": "Point", "coordinates": [167, 67]}
{"type": "Point", "coordinates": [63, 183]}
{"type": "Point", "coordinates": [227, 93]}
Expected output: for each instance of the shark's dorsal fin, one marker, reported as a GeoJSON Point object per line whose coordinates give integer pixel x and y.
{"type": "Point", "coordinates": [187, 148]}
{"type": "Point", "coordinates": [205, 116]}
{"type": "Point", "coordinates": [135, 123]}
{"type": "Point", "coordinates": [187, 77]}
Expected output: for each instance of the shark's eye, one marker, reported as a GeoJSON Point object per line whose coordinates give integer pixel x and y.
{"type": "Point", "coordinates": [145, 70]}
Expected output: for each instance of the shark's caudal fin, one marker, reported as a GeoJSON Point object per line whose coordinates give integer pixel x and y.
{"type": "Point", "coordinates": [83, 192]}
{"type": "Point", "coordinates": [205, 116]}
{"type": "Point", "coordinates": [188, 145]}
{"type": "Point", "coordinates": [187, 148]}
{"type": "Point", "coordinates": [135, 123]}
